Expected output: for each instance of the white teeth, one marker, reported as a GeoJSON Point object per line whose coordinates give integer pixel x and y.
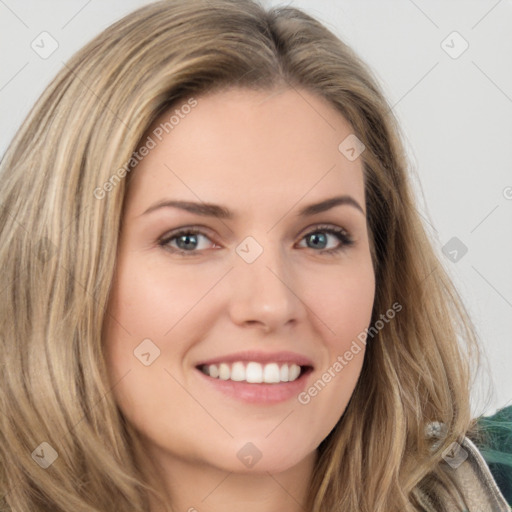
{"type": "Point", "coordinates": [238, 372]}
{"type": "Point", "coordinates": [294, 372]}
{"type": "Point", "coordinates": [224, 371]}
{"type": "Point", "coordinates": [214, 371]}
{"type": "Point", "coordinates": [252, 372]}
{"type": "Point", "coordinates": [271, 373]}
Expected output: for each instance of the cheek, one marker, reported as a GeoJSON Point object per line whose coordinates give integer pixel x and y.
{"type": "Point", "coordinates": [141, 311]}
{"type": "Point", "coordinates": [148, 300]}
{"type": "Point", "coordinates": [151, 311]}
{"type": "Point", "coordinates": [343, 301]}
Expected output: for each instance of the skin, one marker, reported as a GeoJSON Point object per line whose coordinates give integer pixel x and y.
{"type": "Point", "coordinates": [264, 155]}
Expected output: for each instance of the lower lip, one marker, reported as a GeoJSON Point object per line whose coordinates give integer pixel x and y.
{"type": "Point", "coordinates": [259, 393]}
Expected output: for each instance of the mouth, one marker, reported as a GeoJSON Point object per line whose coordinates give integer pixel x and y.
{"type": "Point", "coordinates": [253, 372]}
{"type": "Point", "coordinates": [265, 382]}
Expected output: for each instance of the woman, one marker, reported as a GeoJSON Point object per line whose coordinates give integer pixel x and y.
{"type": "Point", "coordinates": [217, 291]}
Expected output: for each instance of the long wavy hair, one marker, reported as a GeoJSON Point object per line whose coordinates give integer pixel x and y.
{"type": "Point", "coordinates": [58, 243]}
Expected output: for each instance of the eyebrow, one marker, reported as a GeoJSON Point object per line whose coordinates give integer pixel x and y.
{"type": "Point", "coordinates": [221, 212]}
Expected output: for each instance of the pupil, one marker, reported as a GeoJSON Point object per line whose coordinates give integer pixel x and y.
{"type": "Point", "coordinates": [188, 241]}
{"type": "Point", "coordinates": [316, 238]}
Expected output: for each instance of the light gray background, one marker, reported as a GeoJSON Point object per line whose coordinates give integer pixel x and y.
{"type": "Point", "coordinates": [456, 115]}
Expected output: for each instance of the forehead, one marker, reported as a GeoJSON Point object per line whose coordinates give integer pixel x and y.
{"type": "Point", "coordinates": [243, 147]}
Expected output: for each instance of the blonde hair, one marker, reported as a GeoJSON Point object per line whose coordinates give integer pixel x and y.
{"type": "Point", "coordinates": [58, 243]}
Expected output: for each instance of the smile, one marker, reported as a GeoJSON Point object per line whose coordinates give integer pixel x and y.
{"type": "Point", "coordinates": [253, 372]}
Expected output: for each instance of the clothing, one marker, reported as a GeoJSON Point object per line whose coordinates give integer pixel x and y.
{"type": "Point", "coordinates": [473, 478]}
{"type": "Point", "coordinates": [480, 488]}
{"type": "Point", "coordinates": [496, 447]}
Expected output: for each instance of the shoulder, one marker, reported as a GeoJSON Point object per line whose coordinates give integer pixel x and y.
{"type": "Point", "coordinates": [473, 478]}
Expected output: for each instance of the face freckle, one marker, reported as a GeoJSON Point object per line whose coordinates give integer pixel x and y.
{"type": "Point", "coordinates": [273, 281]}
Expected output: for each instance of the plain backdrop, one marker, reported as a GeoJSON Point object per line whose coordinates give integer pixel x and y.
{"type": "Point", "coordinates": [445, 67]}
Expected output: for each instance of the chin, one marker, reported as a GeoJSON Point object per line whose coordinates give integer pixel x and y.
{"type": "Point", "coordinates": [262, 457]}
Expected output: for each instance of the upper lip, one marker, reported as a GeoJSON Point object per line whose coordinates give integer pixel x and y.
{"type": "Point", "coordinates": [260, 357]}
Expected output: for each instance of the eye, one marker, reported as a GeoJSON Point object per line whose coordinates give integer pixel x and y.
{"type": "Point", "coordinates": [192, 241]}
{"type": "Point", "coordinates": [323, 238]}
{"type": "Point", "coordinates": [186, 241]}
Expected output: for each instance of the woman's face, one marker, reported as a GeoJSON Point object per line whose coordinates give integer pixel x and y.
{"type": "Point", "coordinates": [243, 278]}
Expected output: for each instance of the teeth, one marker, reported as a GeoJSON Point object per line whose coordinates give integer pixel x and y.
{"type": "Point", "coordinates": [214, 371]}
{"type": "Point", "coordinates": [270, 373]}
{"type": "Point", "coordinates": [294, 372]}
{"type": "Point", "coordinates": [224, 371]}
{"type": "Point", "coordinates": [253, 372]}
{"type": "Point", "coordinates": [238, 372]}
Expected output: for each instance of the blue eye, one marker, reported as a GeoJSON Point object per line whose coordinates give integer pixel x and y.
{"type": "Point", "coordinates": [187, 242]}
{"type": "Point", "coordinates": [319, 239]}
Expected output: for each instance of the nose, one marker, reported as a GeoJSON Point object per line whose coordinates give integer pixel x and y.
{"type": "Point", "coordinates": [265, 293]}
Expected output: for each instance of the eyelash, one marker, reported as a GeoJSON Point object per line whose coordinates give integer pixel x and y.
{"type": "Point", "coordinates": [341, 234]}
